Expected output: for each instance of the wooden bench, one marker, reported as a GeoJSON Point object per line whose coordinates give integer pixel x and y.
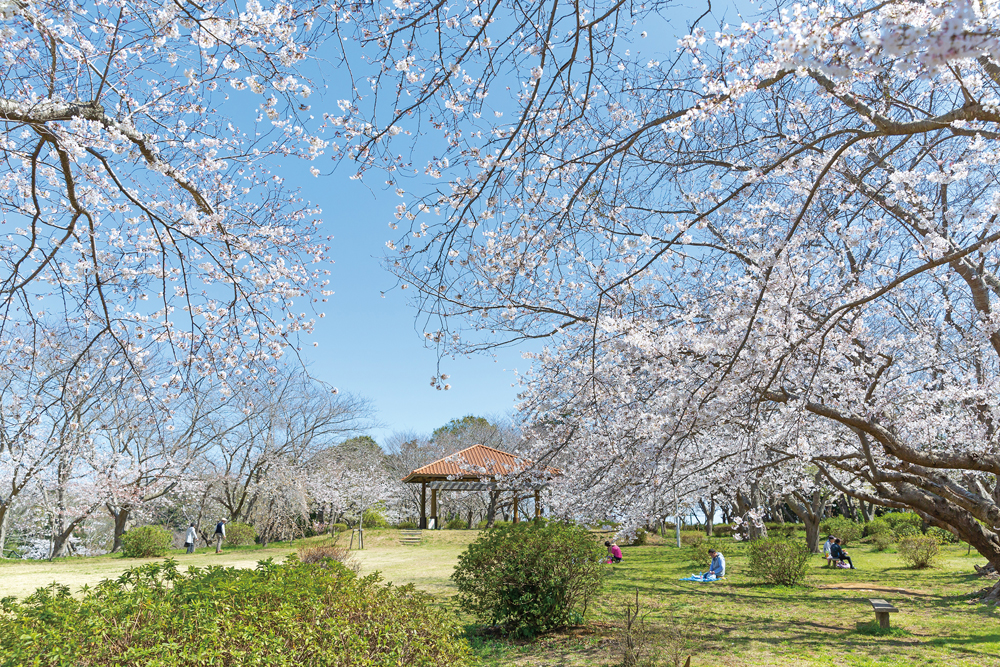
{"type": "Point", "coordinates": [882, 611]}
{"type": "Point", "coordinates": [410, 537]}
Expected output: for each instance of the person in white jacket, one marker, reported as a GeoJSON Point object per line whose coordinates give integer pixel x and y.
{"type": "Point", "coordinates": [190, 539]}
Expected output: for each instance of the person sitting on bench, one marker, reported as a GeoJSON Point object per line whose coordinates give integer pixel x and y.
{"type": "Point", "coordinates": [826, 549]}
{"type": "Point", "coordinates": [839, 554]}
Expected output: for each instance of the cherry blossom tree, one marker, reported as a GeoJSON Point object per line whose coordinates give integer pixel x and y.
{"type": "Point", "coordinates": [137, 211]}
{"type": "Point", "coordinates": [784, 225]}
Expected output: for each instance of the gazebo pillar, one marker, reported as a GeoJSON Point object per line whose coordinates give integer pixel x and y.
{"type": "Point", "coordinates": [538, 504]}
{"type": "Point", "coordinates": [434, 507]}
{"type": "Point", "coordinates": [423, 505]}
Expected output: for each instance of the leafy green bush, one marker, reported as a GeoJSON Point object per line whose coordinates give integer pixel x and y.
{"type": "Point", "coordinates": [883, 541]}
{"type": "Point", "coordinates": [277, 615]}
{"type": "Point", "coordinates": [725, 530]}
{"type": "Point", "coordinates": [147, 542]}
{"type": "Point", "coordinates": [848, 531]}
{"type": "Point", "coordinates": [323, 554]}
{"type": "Point", "coordinates": [786, 530]}
{"type": "Point", "coordinates": [456, 524]}
{"type": "Point", "coordinates": [240, 534]}
{"type": "Point", "coordinates": [407, 525]}
{"type": "Point", "coordinates": [641, 538]}
{"type": "Point", "coordinates": [530, 577]}
{"type": "Point", "coordinates": [777, 561]}
{"type": "Point", "coordinates": [919, 552]}
{"type": "Point", "coordinates": [905, 530]}
{"type": "Point", "coordinates": [897, 519]}
{"type": "Point", "coordinates": [942, 536]}
{"type": "Point", "coordinates": [689, 539]}
{"type": "Point", "coordinates": [375, 518]}
{"type": "Point", "coordinates": [877, 526]}
{"type": "Point", "coordinates": [338, 527]}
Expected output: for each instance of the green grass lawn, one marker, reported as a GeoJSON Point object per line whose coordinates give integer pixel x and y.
{"type": "Point", "coordinates": [735, 622]}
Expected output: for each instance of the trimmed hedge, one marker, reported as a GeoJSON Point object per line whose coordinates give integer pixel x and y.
{"type": "Point", "coordinates": [848, 531]}
{"type": "Point", "coordinates": [147, 542]}
{"type": "Point", "coordinates": [456, 524]}
{"type": "Point", "coordinates": [285, 615]}
{"type": "Point", "coordinates": [530, 577]}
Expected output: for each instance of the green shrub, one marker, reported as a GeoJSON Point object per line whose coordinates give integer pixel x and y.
{"type": "Point", "coordinates": [877, 526]}
{"type": "Point", "coordinates": [897, 519]}
{"type": "Point", "coordinates": [407, 525]}
{"type": "Point", "coordinates": [693, 539]}
{"type": "Point", "coordinates": [530, 577]}
{"type": "Point", "coordinates": [905, 530]}
{"type": "Point", "coordinates": [323, 554]}
{"type": "Point", "coordinates": [725, 530]}
{"type": "Point", "coordinates": [883, 541]}
{"type": "Point", "coordinates": [338, 527]}
{"type": "Point", "coordinates": [777, 561]}
{"type": "Point", "coordinates": [375, 518]}
{"type": "Point", "coordinates": [942, 536]}
{"type": "Point", "coordinates": [147, 542]}
{"type": "Point", "coordinates": [456, 524]}
{"type": "Point", "coordinates": [919, 552]}
{"type": "Point", "coordinates": [277, 615]}
{"type": "Point", "coordinates": [786, 530]}
{"type": "Point", "coordinates": [848, 531]}
{"type": "Point", "coordinates": [641, 538]}
{"type": "Point", "coordinates": [240, 534]}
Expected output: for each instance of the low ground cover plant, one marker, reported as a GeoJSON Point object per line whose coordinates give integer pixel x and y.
{"type": "Point", "coordinates": [531, 577]}
{"type": "Point", "coordinates": [777, 561]}
{"type": "Point", "coordinates": [276, 615]}
{"type": "Point", "coordinates": [147, 542]}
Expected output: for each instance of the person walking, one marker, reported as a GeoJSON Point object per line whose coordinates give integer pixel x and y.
{"type": "Point", "coordinates": [190, 539]}
{"type": "Point", "coordinates": [220, 535]}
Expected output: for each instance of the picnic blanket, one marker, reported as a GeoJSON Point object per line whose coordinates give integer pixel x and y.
{"type": "Point", "coordinates": [700, 579]}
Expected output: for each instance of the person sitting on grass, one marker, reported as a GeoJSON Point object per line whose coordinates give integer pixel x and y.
{"type": "Point", "coordinates": [839, 554]}
{"type": "Point", "coordinates": [614, 552]}
{"type": "Point", "coordinates": [826, 549]}
{"type": "Point", "coordinates": [717, 568]}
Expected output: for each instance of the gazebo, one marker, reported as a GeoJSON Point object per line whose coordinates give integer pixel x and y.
{"type": "Point", "coordinates": [465, 471]}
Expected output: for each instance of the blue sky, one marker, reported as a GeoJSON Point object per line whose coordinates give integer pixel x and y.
{"type": "Point", "coordinates": [370, 345]}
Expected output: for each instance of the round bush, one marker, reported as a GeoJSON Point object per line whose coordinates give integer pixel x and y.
{"type": "Point", "coordinates": [240, 534]}
{"type": "Point", "coordinates": [375, 518]}
{"type": "Point", "coordinates": [919, 552]}
{"type": "Point", "coordinates": [905, 530]}
{"type": "Point", "coordinates": [530, 577]}
{"type": "Point", "coordinates": [338, 527]}
{"type": "Point", "coordinates": [724, 530]}
{"type": "Point", "coordinates": [456, 524]}
{"type": "Point", "coordinates": [897, 519]}
{"type": "Point", "coordinates": [777, 561]}
{"type": "Point", "coordinates": [147, 542]}
{"type": "Point", "coordinates": [406, 525]}
{"type": "Point", "coordinates": [942, 536]}
{"type": "Point", "coordinates": [284, 615]}
{"type": "Point", "coordinates": [877, 526]}
{"type": "Point", "coordinates": [883, 541]}
{"type": "Point", "coordinates": [848, 531]}
{"type": "Point", "coordinates": [641, 538]}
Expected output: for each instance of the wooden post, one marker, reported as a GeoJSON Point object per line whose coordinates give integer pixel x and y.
{"type": "Point", "coordinates": [423, 505]}
{"type": "Point", "coordinates": [434, 507]}
{"type": "Point", "coordinates": [883, 619]}
{"type": "Point", "coordinates": [538, 504]}
{"type": "Point", "coordinates": [516, 499]}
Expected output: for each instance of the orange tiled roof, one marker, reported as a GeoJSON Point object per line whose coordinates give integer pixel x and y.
{"type": "Point", "coordinates": [473, 463]}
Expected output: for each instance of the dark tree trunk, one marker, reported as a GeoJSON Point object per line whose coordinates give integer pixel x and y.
{"type": "Point", "coordinates": [491, 509]}
{"type": "Point", "coordinates": [120, 518]}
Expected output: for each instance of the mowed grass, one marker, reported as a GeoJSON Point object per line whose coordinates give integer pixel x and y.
{"type": "Point", "coordinates": [737, 622]}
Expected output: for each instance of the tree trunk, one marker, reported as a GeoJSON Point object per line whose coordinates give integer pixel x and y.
{"type": "Point", "coordinates": [120, 518]}
{"type": "Point", "coordinates": [866, 510]}
{"type": "Point", "coordinates": [469, 520]}
{"type": "Point", "coordinates": [3, 527]}
{"type": "Point", "coordinates": [491, 509]}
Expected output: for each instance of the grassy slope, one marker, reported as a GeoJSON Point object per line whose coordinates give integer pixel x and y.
{"type": "Point", "coordinates": [733, 623]}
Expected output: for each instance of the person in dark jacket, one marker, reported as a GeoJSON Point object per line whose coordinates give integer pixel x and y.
{"type": "Point", "coordinates": [839, 554]}
{"type": "Point", "coordinates": [220, 535]}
